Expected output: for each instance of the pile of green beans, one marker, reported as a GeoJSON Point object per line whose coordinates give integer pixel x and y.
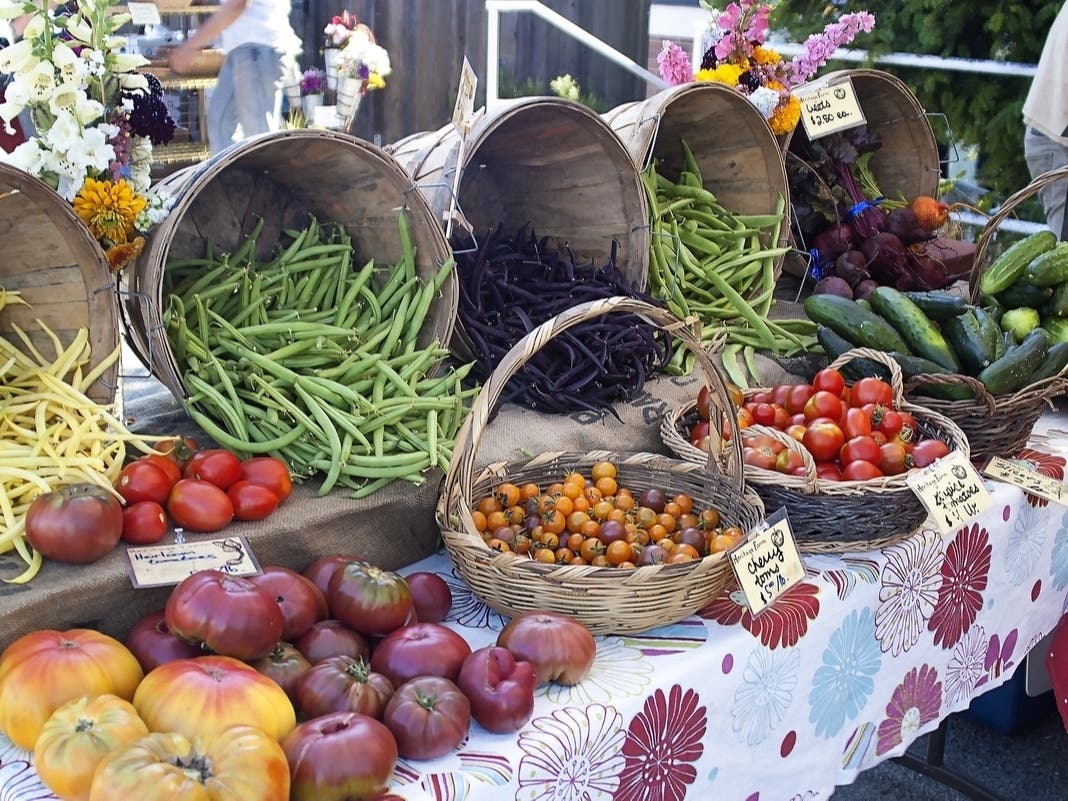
{"type": "Point", "coordinates": [718, 266]}
{"type": "Point", "coordinates": [315, 362]}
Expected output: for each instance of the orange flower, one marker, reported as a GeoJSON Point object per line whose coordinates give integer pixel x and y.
{"type": "Point", "coordinates": [121, 255]}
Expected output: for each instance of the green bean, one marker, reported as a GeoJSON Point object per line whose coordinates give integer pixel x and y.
{"type": "Point", "coordinates": [227, 440]}
{"type": "Point", "coordinates": [348, 297]}
{"type": "Point", "coordinates": [729, 359]}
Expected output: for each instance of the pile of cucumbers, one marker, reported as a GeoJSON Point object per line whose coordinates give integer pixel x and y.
{"type": "Point", "coordinates": [1003, 343]}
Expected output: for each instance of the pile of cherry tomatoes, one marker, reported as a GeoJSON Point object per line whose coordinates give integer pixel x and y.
{"type": "Point", "coordinates": [853, 433]}
{"type": "Point", "coordinates": [594, 520]}
{"type": "Point", "coordinates": [200, 490]}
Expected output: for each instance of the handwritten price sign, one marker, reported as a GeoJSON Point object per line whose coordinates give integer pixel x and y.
{"type": "Point", "coordinates": [164, 565]}
{"type": "Point", "coordinates": [767, 563]}
{"type": "Point", "coordinates": [830, 109]}
{"type": "Point", "coordinates": [1018, 473]}
{"type": "Point", "coordinates": [951, 490]}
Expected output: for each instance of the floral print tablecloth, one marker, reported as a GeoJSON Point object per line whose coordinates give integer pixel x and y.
{"type": "Point", "coordinates": [870, 651]}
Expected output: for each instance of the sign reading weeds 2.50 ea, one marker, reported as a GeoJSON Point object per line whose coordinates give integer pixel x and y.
{"type": "Point", "coordinates": [767, 563]}
{"type": "Point", "coordinates": [830, 109]}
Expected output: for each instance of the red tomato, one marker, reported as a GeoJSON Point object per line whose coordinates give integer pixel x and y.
{"type": "Point", "coordinates": [823, 439]}
{"type": "Point", "coordinates": [217, 466]}
{"type": "Point", "coordinates": [78, 523]}
{"type": "Point", "coordinates": [871, 390]}
{"type": "Point", "coordinates": [828, 471]}
{"type": "Point", "coordinates": [560, 647]}
{"type": "Point", "coordinates": [500, 689]}
{"type": "Point", "coordinates": [894, 459]}
{"type": "Point", "coordinates": [856, 423]}
{"type": "Point", "coordinates": [823, 404]}
{"type": "Point", "coordinates": [704, 403]}
{"type": "Point", "coordinates": [860, 471]}
{"type": "Point", "coordinates": [778, 394]}
{"type": "Point", "coordinates": [178, 450]}
{"type": "Point", "coordinates": [153, 644]}
{"type": "Point", "coordinates": [763, 414]}
{"type": "Point", "coordinates": [797, 397]}
{"type": "Point", "coordinates": [166, 464]}
{"type": "Point", "coordinates": [879, 437]}
{"type": "Point", "coordinates": [368, 599]}
{"type": "Point", "coordinates": [862, 449]}
{"type": "Point", "coordinates": [782, 417]}
{"type": "Point", "coordinates": [251, 501]}
{"type": "Point", "coordinates": [342, 755]}
{"type": "Point", "coordinates": [891, 423]}
{"type": "Point", "coordinates": [143, 481]}
{"type": "Point", "coordinates": [798, 419]}
{"type": "Point", "coordinates": [342, 684]}
{"type": "Point", "coordinates": [422, 649]}
{"type": "Point", "coordinates": [698, 433]}
{"type": "Point", "coordinates": [199, 506]}
{"type": "Point", "coordinates": [788, 461]}
{"type": "Point", "coordinates": [431, 596]}
{"type": "Point", "coordinates": [301, 602]}
{"type": "Point", "coordinates": [829, 380]}
{"type": "Point", "coordinates": [797, 431]}
{"type": "Point", "coordinates": [764, 457]}
{"type": "Point", "coordinates": [270, 472]}
{"type": "Point", "coordinates": [429, 716]}
{"type": "Point", "coordinates": [927, 451]}
{"type": "Point", "coordinates": [143, 523]}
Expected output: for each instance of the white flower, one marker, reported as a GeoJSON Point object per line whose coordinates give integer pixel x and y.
{"type": "Point", "coordinates": [16, 98]}
{"type": "Point", "coordinates": [88, 110]}
{"type": "Point", "coordinates": [95, 62]}
{"type": "Point", "coordinates": [66, 96]}
{"type": "Point", "coordinates": [71, 68]}
{"type": "Point", "coordinates": [133, 82]}
{"type": "Point", "coordinates": [377, 60]}
{"type": "Point", "coordinates": [64, 130]}
{"type": "Point", "coordinates": [80, 29]}
{"type": "Point", "coordinates": [42, 80]}
{"type": "Point", "coordinates": [26, 156]}
{"type": "Point", "coordinates": [765, 100]}
{"type": "Point", "coordinates": [124, 62]}
{"type": "Point", "coordinates": [119, 20]}
{"type": "Point", "coordinates": [115, 42]}
{"type": "Point", "coordinates": [18, 57]}
{"type": "Point", "coordinates": [34, 28]}
{"type": "Point", "coordinates": [109, 130]}
{"type": "Point", "coordinates": [12, 10]}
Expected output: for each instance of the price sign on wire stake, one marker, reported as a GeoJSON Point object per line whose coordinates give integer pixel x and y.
{"type": "Point", "coordinates": [766, 562]}
{"type": "Point", "coordinates": [830, 109]}
{"type": "Point", "coordinates": [1013, 471]}
{"type": "Point", "coordinates": [165, 564]}
{"type": "Point", "coordinates": [462, 114]}
{"type": "Point", "coordinates": [144, 13]}
{"type": "Point", "coordinates": [951, 490]}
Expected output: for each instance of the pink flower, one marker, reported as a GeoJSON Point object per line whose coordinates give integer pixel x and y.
{"type": "Point", "coordinates": [820, 46]}
{"type": "Point", "coordinates": [674, 64]}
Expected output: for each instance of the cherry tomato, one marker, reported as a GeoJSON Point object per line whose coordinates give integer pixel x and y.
{"type": "Point", "coordinates": [871, 390]}
{"type": "Point", "coordinates": [744, 417]}
{"type": "Point", "coordinates": [823, 439]}
{"type": "Point", "coordinates": [199, 506]}
{"type": "Point", "coordinates": [699, 432]}
{"type": "Point", "coordinates": [759, 397]}
{"type": "Point", "coordinates": [927, 451]}
{"type": "Point", "coordinates": [143, 481]}
{"type": "Point", "coordinates": [143, 523]}
{"type": "Point", "coordinates": [251, 501]}
{"type": "Point", "coordinates": [829, 380]}
{"type": "Point", "coordinates": [178, 450]}
{"type": "Point", "coordinates": [823, 404]}
{"type": "Point", "coordinates": [735, 393]}
{"type": "Point", "coordinates": [797, 397]}
{"type": "Point", "coordinates": [217, 466]}
{"type": "Point", "coordinates": [856, 423]}
{"type": "Point", "coordinates": [764, 414]}
{"type": "Point", "coordinates": [862, 449]}
{"type": "Point", "coordinates": [860, 471]}
{"type": "Point", "coordinates": [270, 472]}
{"type": "Point", "coordinates": [893, 460]}
{"type": "Point", "coordinates": [891, 423]}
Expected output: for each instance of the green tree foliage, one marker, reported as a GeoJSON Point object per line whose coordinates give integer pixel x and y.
{"type": "Point", "coordinates": [981, 110]}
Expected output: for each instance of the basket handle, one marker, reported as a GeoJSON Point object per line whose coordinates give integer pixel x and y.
{"type": "Point", "coordinates": [991, 227]}
{"type": "Point", "coordinates": [810, 478]}
{"type": "Point", "coordinates": [462, 464]}
{"type": "Point", "coordinates": [947, 379]}
{"type": "Point", "coordinates": [892, 366]}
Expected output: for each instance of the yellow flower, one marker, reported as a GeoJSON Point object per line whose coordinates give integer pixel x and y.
{"type": "Point", "coordinates": [108, 209]}
{"type": "Point", "coordinates": [119, 256]}
{"type": "Point", "coordinates": [786, 116]}
{"type": "Point", "coordinates": [724, 73]}
{"type": "Point", "coordinates": [765, 55]}
{"type": "Point", "coordinates": [375, 81]}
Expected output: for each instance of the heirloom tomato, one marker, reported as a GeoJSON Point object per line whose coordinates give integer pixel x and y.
{"type": "Point", "coordinates": [342, 684]}
{"type": "Point", "coordinates": [284, 665]}
{"type": "Point", "coordinates": [431, 596]}
{"type": "Point", "coordinates": [927, 451]}
{"type": "Point", "coordinates": [823, 404]}
{"type": "Point", "coordinates": [301, 602]}
{"type": "Point", "coordinates": [824, 440]}
{"type": "Point", "coordinates": [331, 637]}
{"type": "Point", "coordinates": [796, 398]}
{"type": "Point", "coordinates": [829, 380]}
{"type": "Point", "coordinates": [199, 506]}
{"type": "Point", "coordinates": [863, 449]}
{"type": "Point", "coordinates": [78, 736]}
{"type": "Point", "coordinates": [339, 757]}
{"type": "Point", "coordinates": [828, 471]}
{"type": "Point", "coordinates": [429, 716]}
{"type": "Point", "coordinates": [240, 763]}
{"type": "Point", "coordinates": [421, 649]}
{"type": "Point", "coordinates": [860, 470]}
{"type": "Point", "coordinates": [217, 466]}
{"type": "Point", "coordinates": [268, 472]}
{"type": "Point", "coordinates": [43, 670]}
{"type": "Point", "coordinates": [143, 523]}
{"type": "Point", "coordinates": [152, 643]}
{"type": "Point", "coordinates": [500, 689]}
{"type": "Point", "coordinates": [871, 390]}
{"type": "Point", "coordinates": [560, 647]}
{"type": "Point", "coordinates": [205, 695]}
{"type": "Point", "coordinates": [230, 615]}
{"type": "Point", "coordinates": [78, 523]}
{"type": "Point", "coordinates": [893, 459]}
{"type": "Point", "coordinates": [368, 599]}
{"type": "Point", "coordinates": [323, 569]}
{"type": "Point", "coordinates": [142, 480]}
{"type": "Point", "coordinates": [251, 501]}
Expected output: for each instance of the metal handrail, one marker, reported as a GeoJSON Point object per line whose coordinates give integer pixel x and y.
{"type": "Point", "coordinates": [494, 8]}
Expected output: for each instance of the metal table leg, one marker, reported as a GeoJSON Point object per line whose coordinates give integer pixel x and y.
{"type": "Point", "coordinates": [933, 765]}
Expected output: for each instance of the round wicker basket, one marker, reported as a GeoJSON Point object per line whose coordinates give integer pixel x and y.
{"type": "Point", "coordinates": [607, 600]}
{"type": "Point", "coordinates": [834, 516]}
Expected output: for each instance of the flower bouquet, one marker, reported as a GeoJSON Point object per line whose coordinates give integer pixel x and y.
{"type": "Point", "coordinates": [338, 31]}
{"type": "Point", "coordinates": [362, 66]}
{"type": "Point", "coordinates": [735, 53]}
{"type": "Point", "coordinates": [96, 118]}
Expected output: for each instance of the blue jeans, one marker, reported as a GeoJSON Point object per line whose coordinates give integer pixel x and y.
{"type": "Point", "coordinates": [1043, 155]}
{"type": "Point", "coordinates": [247, 95]}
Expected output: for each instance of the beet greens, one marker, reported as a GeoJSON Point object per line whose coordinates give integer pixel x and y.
{"type": "Point", "coordinates": [512, 284]}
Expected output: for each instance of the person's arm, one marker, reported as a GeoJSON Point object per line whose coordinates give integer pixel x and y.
{"type": "Point", "coordinates": [206, 33]}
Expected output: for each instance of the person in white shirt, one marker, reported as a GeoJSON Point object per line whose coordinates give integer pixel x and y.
{"type": "Point", "coordinates": [1045, 113]}
{"type": "Point", "coordinates": [261, 49]}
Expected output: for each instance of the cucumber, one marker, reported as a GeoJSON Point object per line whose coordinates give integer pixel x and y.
{"type": "Point", "coordinates": [1055, 362]}
{"type": "Point", "coordinates": [1013, 371]}
{"type": "Point", "coordinates": [1004, 271]}
{"type": "Point", "coordinates": [1058, 302]}
{"type": "Point", "coordinates": [910, 365]}
{"type": "Point", "coordinates": [861, 327]}
{"type": "Point", "coordinates": [921, 334]}
{"type": "Point", "coordinates": [1024, 295]}
{"type": "Point", "coordinates": [966, 338]}
{"type": "Point", "coordinates": [938, 304]}
{"type": "Point", "coordinates": [1049, 268]}
{"type": "Point", "coordinates": [943, 391]}
{"type": "Point", "coordinates": [1057, 328]}
{"type": "Point", "coordinates": [990, 331]}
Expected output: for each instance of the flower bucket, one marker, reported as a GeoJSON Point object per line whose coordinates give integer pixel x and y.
{"type": "Point", "coordinates": [60, 271]}
{"type": "Point", "coordinates": [283, 177]}
{"type": "Point", "coordinates": [544, 161]}
{"type": "Point", "coordinates": [330, 55]}
{"type": "Point", "coordinates": [309, 103]}
{"type": "Point", "coordinates": [349, 95]}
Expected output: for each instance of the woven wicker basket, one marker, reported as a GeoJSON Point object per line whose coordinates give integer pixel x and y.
{"type": "Point", "coordinates": [995, 425]}
{"type": "Point", "coordinates": [607, 600]}
{"type": "Point", "coordinates": [834, 516]}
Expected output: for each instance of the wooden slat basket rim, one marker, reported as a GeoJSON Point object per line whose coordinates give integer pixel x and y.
{"type": "Point", "coordinates": [607, 600]}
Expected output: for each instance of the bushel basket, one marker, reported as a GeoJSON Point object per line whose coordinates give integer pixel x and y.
{"type": "Point", "coordinates": [834, 516]}
{"type": "Point", "coordinates": [996, 425]}
{"type": "Point", "coordinates": [606, 599]}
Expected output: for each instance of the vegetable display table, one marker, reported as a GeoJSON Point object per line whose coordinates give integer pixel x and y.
{"type": "Point", "coordinates": [848, 668]}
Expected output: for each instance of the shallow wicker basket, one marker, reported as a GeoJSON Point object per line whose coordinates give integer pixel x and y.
{"type": "Point", "coordinates": [834, 516]}
{"type": "Point", "coordinates": [996, 425]}
{"type": "Point", "coordinates": [607, 600]}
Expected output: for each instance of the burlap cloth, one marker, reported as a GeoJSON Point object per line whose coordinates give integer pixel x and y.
{"type": "Point", "coordinates": [392, 528]}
